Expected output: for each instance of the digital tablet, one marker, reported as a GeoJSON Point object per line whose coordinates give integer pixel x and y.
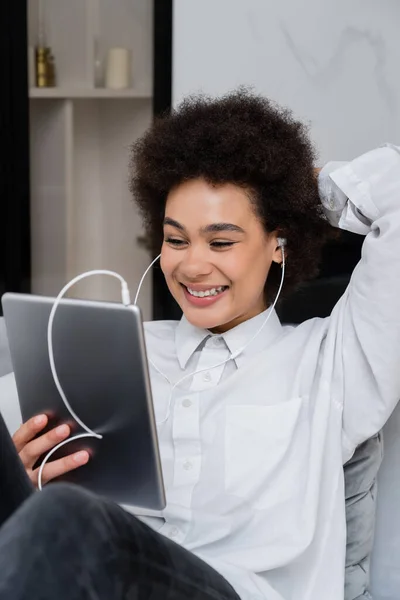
{"type": "Point", "coordinates": [100, 358]}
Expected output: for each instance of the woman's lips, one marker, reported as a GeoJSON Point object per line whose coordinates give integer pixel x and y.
{"type": "Point", "coordinates": [205, 301]}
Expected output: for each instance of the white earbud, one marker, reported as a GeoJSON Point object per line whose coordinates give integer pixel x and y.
{"type": "Point", "coordinates": [281, 242]}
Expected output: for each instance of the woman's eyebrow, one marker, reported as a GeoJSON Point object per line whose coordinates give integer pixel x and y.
{"type": "Point", "coordinates": [218, 227]}
{"type": "Point", "coordinates": [212, 228]}
{"type": "Point", "coordinates": [173, 223]}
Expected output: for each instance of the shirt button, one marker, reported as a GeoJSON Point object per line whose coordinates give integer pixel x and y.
{"type": "Point", "coordinates": [187, 403]}
{"type": "Point", "coordinates": [173, 532]}
{"type": "Point", "coordinates": [187, 465]}
{"type": "Point", "coordinates": [207, 376]}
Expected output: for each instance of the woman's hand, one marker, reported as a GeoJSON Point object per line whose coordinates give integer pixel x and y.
{"type": "Point", "coordinates": [30, 448]}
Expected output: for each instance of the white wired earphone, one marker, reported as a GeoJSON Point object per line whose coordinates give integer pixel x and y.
{"type": "Point", "coordinates": [281, 244]}
{"type": "Point", "coordinates": [125, 298]}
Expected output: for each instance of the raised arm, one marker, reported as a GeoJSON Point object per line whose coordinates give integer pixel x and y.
{"type": "Point", "coordinates": [364, 333]}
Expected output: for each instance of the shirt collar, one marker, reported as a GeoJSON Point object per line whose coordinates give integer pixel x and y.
{"type": "Point", "coordinates": [188, 337]}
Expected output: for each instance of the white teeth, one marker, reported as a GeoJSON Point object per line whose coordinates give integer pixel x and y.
{"type": "Point", "coordinates": [211, 292]}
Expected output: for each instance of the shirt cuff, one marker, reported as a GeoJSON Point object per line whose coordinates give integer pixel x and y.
{"type": "Point", "coordinates": [332, 198]}
{"type": "Point", "coordinates": [339, 210]}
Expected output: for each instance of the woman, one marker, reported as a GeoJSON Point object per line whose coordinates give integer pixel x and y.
{"type": "Point", "coordinates": [254, 436]}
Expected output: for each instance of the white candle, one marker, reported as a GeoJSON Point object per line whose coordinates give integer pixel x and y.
{"type": "Point", "coordinates": [118, 70]}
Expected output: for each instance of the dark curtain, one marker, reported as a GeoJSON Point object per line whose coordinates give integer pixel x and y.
{"type": "Point", "coordinates": [164, 306]}
{"type": "Point", "coordinates": [14, 143]}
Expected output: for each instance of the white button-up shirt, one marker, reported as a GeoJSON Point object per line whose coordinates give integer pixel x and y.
{"type": "Point", "coordinates": [252, 450]}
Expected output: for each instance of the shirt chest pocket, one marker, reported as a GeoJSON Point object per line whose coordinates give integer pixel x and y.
{"type": "Point", "coordinates": [267, 452]}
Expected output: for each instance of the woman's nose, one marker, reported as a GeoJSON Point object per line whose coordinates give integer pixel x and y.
{"type": "Point", "coordinates": [195, 263]}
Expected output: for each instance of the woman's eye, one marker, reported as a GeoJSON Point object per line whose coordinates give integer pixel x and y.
{"type": "Point", "coordinates": [216, 244]}
{"type": "Point", "coordinates": [174, 241]}
{"type": "Point", "coordinates": [221, 244]}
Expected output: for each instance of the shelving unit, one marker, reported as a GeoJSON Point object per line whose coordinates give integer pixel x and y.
{"type": "Point", "coordinates": [82, 216]}
{"type": "Point", "coordinates": [88, 93]}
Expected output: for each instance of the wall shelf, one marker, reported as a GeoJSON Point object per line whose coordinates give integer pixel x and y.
{"type": "Point", "coordinates": [88, 93]}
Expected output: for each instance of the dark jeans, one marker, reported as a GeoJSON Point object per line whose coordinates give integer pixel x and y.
{"type": "Point", "coordinates": [67, 544]}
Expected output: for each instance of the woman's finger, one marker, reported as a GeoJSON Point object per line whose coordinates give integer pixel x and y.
{"type": "Point", "coordinates": [61, 466]}
{"type": "Point", "coordinates": [28, 431]}
{"type": "Point", "coordinates": [34, 449]}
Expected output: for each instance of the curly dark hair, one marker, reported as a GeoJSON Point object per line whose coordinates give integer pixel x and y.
{"type": "Point", "coordinates": [244, 139]}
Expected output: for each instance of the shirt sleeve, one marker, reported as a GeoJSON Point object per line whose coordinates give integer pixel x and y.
{"type": "Point", "coordinates": [362, 349]}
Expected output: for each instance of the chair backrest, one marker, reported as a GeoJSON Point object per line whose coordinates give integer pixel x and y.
{"type": "Point", "coordinates": [385, 564]}
{"type": "Point", "coordinates": [5, 360]}
{"type": "Point", "coordinates": [9, 407]}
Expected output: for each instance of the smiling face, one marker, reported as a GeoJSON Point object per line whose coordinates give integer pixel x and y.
{"type": "Point", "coordinates": [216, 254]}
